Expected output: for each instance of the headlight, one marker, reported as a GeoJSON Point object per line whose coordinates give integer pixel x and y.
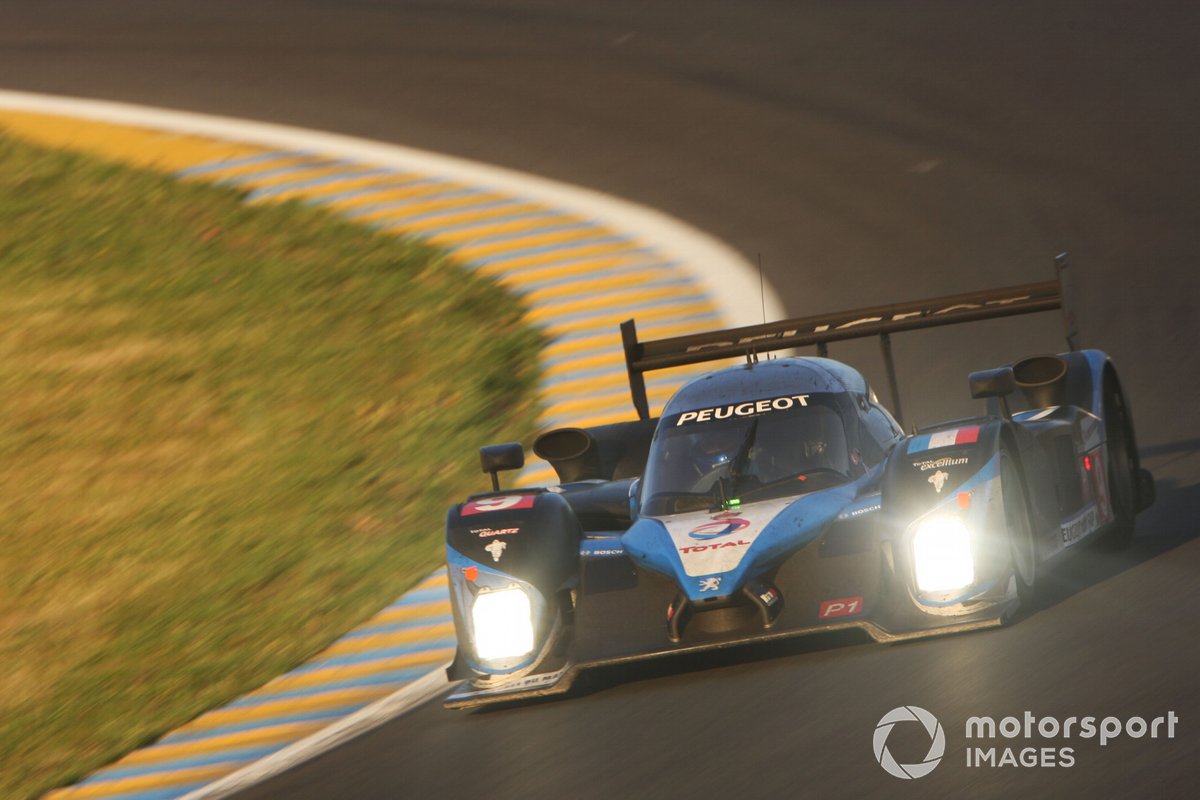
{"type": "Point", "coordinates": [942, 555]}
{"type": "Point", "coordinates": [503, 623]}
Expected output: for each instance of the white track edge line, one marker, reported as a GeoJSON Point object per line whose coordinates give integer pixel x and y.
{"type": "Point", "coordinates": [731, 281]}
{"type": "Point", "coordinates": [367, 718]}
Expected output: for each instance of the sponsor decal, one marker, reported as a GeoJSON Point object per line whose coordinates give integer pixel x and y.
{"type": "Point", "coordinates": [722, 524]}
{"type": "Point", "coordinates": [938, 479]}
{"type": "Point", "coordinates": [697, 548]}
{"type": "Point", "coordinates": [710, 584]}
{"type": "Point", "coordinates": [769, 597]}
{"type": "Point", "coordinates": [842, 607]}
{"type": "Point", "coordinates": [610, 552]}
{"type": "Point", "coordinates": [750, 409]}
{"type": "Point", "coordinates": [496, 548]}
{"type": "Point", "coordinates": [940, 463]}
{"type": "Point", "coordinates": [484, 533]}
{"type": "Point", "coordinates": [1081, 526]}
{"type": "Point", "coordinates": [604, 546]}
{"type": "Point", "coordinates": [954, 436]}
{"type": "Point", "coordinates": [933, 729]}
{"type": "Point", "coordinates": [858, 512]}
{"type": "Point", "coordinates": [788, 333]}
{"type": "Point", "coordinates": [502, 503]}
{"type": "Point", "coordinates": [519, 684]}
{"type": "Point", "coordinates": [701, 527]}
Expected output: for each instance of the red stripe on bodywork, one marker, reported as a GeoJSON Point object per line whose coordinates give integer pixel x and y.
{"type": "Point", "coordinates": [967, 435]}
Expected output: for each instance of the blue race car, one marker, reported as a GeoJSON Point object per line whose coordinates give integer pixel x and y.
{"type": "Point", "coordinates": [779, 497]}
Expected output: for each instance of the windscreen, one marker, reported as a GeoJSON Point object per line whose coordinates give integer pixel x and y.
{"type": "Point", "coordinates": [748, 451]}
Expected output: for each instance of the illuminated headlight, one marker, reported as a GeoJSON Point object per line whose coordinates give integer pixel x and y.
{"type": "Point", "coordinates": [942, 555]}
{"type": "Point", "coordinates": [503, 623]}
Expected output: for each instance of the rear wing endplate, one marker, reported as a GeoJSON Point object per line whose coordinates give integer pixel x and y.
{"type": "Point", "coordinates": [820, 330]}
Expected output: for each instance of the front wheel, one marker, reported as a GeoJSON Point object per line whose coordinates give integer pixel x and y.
{"type": "Point", "coordinates": [1122, 464]}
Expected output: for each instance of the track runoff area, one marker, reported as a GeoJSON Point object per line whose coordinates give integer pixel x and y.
{"type": "Point", "coordinates": [582, 262]}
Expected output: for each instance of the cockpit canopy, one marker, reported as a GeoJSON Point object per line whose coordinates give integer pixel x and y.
{"type": "Point", "coordinates": [783, 442]}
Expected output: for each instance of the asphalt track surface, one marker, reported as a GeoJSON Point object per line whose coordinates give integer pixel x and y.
{"type": "Point", "coordinates": [870, 151]}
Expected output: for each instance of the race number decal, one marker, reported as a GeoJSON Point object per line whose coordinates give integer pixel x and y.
{"type": "Point", "coordinates": [502, 503]}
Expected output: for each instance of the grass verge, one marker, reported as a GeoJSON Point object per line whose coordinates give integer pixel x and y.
{"type": "Point", "coordinates": [228, 433]}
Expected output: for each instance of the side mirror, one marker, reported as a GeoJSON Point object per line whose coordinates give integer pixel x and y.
{"type": "Point", "coordinates": [998, 383]}
{"type": "Point", "coordinates": [497, 457]}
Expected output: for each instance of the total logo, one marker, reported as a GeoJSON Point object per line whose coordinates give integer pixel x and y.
{"type": "Point", "coordinates": [722, 524]}
{"type": "Point", "coordinates": [700, 548]}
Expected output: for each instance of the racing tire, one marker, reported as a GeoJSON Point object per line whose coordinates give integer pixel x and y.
{"type": "Point", "coordinates": [1022, 544]}
{"type": "Point", "coordinates": [1122, 465]}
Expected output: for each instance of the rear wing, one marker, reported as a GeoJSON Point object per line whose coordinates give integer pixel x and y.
{"type": "Point", "coordinates": [881, 321]}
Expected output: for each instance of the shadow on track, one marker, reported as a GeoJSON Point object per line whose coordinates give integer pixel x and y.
{"type": "Point", "coordinates": [600, 679]}
{"type": "Point", "coordinates": [1166, 525]}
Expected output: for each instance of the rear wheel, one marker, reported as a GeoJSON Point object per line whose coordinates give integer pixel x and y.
{"type": "Point", "coordinates": [1122, 463]}
{"type": "Point", "coordinates": [1022, 546]}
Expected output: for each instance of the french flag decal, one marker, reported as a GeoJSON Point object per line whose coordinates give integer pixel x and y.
{"type": "Point", "coordinates": [932, 441]}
